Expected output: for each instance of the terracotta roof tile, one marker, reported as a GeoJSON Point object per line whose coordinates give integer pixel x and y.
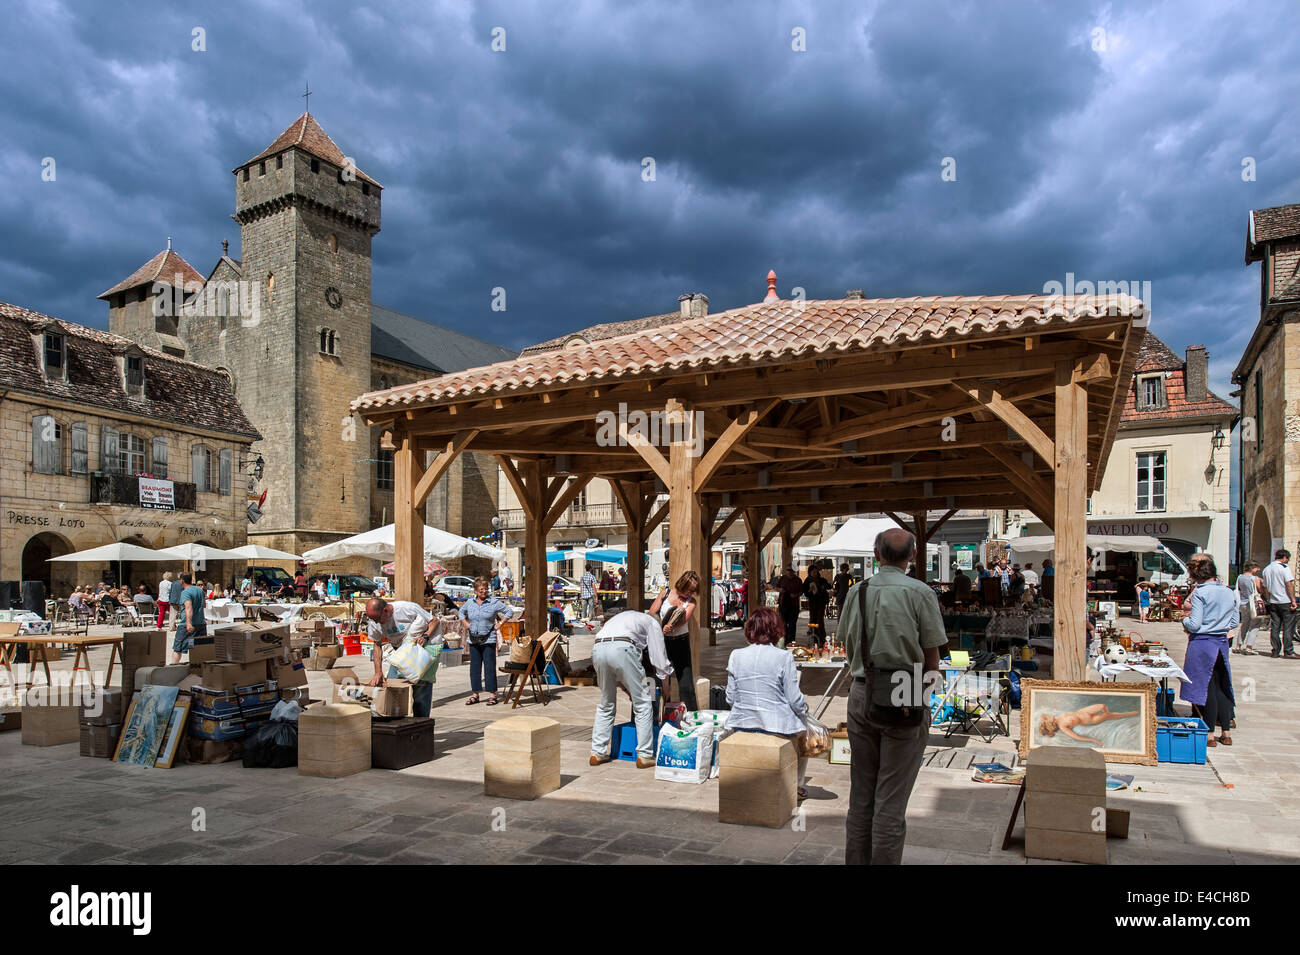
{"type": "Point", "coordinates": [1154, 355]}
{"type": "Point", "coordinates": [306, 134]}
{"type": "Point", "coordinates": [769, 332]}
{"type": "Point", "coordinates": [164, 267]}
{"type": "Point", "coordinates": [1269, 225]}
{"type": "Point", "coordinates": [175, 390]}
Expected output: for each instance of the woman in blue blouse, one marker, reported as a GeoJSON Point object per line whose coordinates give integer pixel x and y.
{"type": "Point", "coordinates": [484, 615]}
{"type": "Point", "coordinates": [1212, 612]}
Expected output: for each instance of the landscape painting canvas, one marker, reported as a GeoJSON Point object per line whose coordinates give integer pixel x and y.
{"type": "Point", "coordinates": [1119, 719]}
{"type": "Point", "coordinates": [146, 725]}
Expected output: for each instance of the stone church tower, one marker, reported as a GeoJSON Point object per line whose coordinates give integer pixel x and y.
{"type": "Point", "coordinates": [290, 323]}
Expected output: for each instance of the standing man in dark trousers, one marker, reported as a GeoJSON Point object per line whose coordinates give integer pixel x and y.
{"type": "Point", "coordinates": [894, 624]}
{"type": "Point", "coordinates": [1279, 582]}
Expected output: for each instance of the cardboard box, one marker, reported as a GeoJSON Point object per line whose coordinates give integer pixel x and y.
{"type": "Point", "coordinates": [300, 641]}
{"type": "Point", "coordinates": [317, 664]}
{"type": "Point", "coordinates": [100, 741]}
{"type": "Point", "coordinates": [100, 707]}
{"type": "Point", "coordinates": [204, 649]}
{"type": "Point", "coordinates": [393, 699]}
{"type": "Point", "coordinates": [246, 642]}
{"type": "Point", "coordinates": [50, 725]}
{"type": "Point", "coordinates": [11, 720]}
{"type": "Point", "coordinates": [144, 648]}
{"type": "Point", "coordinates": [159, 676]}
{"type": "Point", "coordinates": [213, 751]}
{"type": "Point", "coordinates": [1117, 821]}
{"type": "Point", "coordinates": [38, 653]}
{"type": "Point", "coordinates": [297, 694]}
{"type": "Point", "coordinates": [230, 676]}
{"type": "Point", "coordinates": [308, 626]}
{"type": "Point", "coordinates": [288, 673]}
{"type": "Point", "coordinates": [333, 740]}
{"type": "Point", "coordinates": [343, 677]}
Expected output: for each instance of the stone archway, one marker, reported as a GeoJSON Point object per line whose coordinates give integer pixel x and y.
{"type": "Point", "coordinates": [58, 578]}
{"type": "Point", "coordinates": [1261, 537]}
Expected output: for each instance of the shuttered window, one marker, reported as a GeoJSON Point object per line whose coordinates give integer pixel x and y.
{"type": "Point", "coordinates": [224, 486]}
{"type": "Point", "coordinates": [110, 453]}
{"type": "Point", "coordinates": [47, 445]}
{"type": "Point", "coordinates": [80, 449]}
{"type": "Point", "coordinates": [159, 467]}
{"type": "Point", "coordinates": [199, 458]}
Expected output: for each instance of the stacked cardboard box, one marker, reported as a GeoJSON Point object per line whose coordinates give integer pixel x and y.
{"type": "Point", "coordinates": [100, 719]}
{"type": "Point", "coordinates": [247, 642]}
{"type": "Point", "coordinates": [141, 648]}
{"type": "Point", "coordinates": [287, 670]}
{"type": "Point", "coordinates": [1065, 805]}
{"type": "Point", "coordinates": [324, 656]}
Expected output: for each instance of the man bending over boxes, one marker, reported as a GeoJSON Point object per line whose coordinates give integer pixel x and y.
{"type": "Point", "coordinates": [616, 655]}
{"type": "Point", "coordinates": [395, 622]}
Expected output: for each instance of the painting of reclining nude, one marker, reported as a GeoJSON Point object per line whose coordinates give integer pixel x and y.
{"type": "Point", "coordinates": [1119, 719]}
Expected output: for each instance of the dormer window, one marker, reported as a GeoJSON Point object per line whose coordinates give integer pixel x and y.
{"type": "Point", "coordinates": [1151, 393]}
{"type": "Point", "coordinates": [55, 355]}
{"type": "Point", "coordinates": [134, 373]}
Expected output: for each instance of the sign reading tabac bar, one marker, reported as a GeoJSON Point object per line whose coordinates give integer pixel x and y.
{"type": "Point", "coordinates": [156, 493]}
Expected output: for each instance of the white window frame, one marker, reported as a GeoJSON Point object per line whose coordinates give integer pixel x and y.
{"type": "Point", "coordinates": [1151, 498]}
{"type": "Point", "coordinates": [132, 446]}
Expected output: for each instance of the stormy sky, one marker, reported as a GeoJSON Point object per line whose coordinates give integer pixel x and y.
{"type": "Point", "coordinates": [1106, 140]}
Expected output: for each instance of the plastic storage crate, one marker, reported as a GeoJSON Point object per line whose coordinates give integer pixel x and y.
{"type": "Point", "coordinates": [623, 742]}
{"type": "Point", "coordinates": [1165, 703]}
{"type": "Point", "coordinates": [1181, 740]}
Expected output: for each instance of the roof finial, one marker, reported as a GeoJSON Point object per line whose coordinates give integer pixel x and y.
{"type": "Point", "coordinates": [771, 287]}
{"type": "Point", "coordinates": [225, 248]}
{"type": "Point", "coordinates": [307, 96]}
{"type": "Point", "coordinates": [169, 243]}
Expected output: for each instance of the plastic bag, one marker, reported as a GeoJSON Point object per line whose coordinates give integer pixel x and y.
{"type": "Point", "coordinates": [286, 710]}
{"type": "Point", "coordinates": [272, 745]}
{"type": "Point", "coordinates": [815, 740]}
{"type": "Point", "coordinates": [412, 662]}
{"type": "Point", "coordinates": [684, 756]}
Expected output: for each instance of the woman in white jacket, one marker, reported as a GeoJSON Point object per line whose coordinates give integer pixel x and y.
{"type": "Point", "coordinates": [763, 685]}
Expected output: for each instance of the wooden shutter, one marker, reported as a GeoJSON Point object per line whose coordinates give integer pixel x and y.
{"type": "Point", "coordinates": [199, 466]}
{"type": "Point", "coordinates": [110, 450]}
{"type": "Point", "coordinates": [159, 467]}
{"type": "Point", "coordinates": [80, 449]}
{"type": "Point", "coordinates": [225, 471]}
{"type": "Point", "coordinates": [45, 445]}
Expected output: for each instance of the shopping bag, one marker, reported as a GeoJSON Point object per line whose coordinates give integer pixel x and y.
{"type": "Point", "coordinates": [413, 662]}
{"type": "Point", "coordinates": [684, 756]}
{"type": "Point", "coordinates": [815, 740]}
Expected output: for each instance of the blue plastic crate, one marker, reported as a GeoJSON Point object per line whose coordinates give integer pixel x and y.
{"type": "Point", "coordinates": [623, 742]}
{"type": "Point", "coordinates": [552, 678]}
{"type": "Point", "coordinates": [1181, 739]}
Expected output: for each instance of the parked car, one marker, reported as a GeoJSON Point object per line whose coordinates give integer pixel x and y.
{"type": "Point", "coordinates": [567, 586]}
{"type": "Point", "coordinates": [273, 577]}
{"type": "Point", "coordinates": [456, 587]}
{"type": "Point", "coordinates": [348, 583]}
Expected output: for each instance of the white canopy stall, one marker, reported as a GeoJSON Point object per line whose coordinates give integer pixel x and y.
{"type": "Point", "coordinates": [855, 538]}
{"type": "Point", "coordinates": [378, 544]}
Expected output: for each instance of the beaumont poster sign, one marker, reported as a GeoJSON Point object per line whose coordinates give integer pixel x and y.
{"type": "Point", "coordinates": [156, 493]}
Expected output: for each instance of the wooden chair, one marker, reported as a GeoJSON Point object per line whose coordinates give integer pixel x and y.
{"type": "Point", "coordinates": [544, 648]}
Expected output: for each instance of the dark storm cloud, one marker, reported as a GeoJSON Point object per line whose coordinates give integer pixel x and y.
{"type": "Point", "coordinates": [523, 169]}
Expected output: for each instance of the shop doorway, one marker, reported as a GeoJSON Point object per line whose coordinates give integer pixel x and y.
{"type": "Point", "coordinates": [57, 578]}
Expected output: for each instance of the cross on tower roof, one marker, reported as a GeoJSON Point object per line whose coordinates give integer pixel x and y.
{"type": "Point", "coordinates": [307, 96]}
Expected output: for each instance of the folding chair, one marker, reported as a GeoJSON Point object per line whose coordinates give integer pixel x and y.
{"type": "Point", "coordinates": [980, 695]}
{"type": "Point", "coordinates": [544, 648]}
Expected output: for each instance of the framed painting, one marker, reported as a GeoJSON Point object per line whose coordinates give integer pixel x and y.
{"type": "Point", "coordinates": [175, 731]}
{"type": "Point", "coordinates": [1119, 719]}
{"type": "Point", "coordinates": [145, 725]}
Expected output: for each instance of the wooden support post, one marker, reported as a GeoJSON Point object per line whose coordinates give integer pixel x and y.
{"type": "Point", "coordinates": [534, 573]}
{"type": "Point", "coordinates": [920, 530]}
{"type": "Point", "coordinates": [787, 544]}
{"type": "Point", "coordinates": [408, 520]}
{"type": "Point", "coordinates": [1071, 496]}
{"type": "Point", "coordinates": [753, 558]}
{"type": "Point", "coordinates": [684, 509]}
{"type": "Point", "coordinates": [635, 504]}
{"type": "Point", "coordinates": [705, 570]}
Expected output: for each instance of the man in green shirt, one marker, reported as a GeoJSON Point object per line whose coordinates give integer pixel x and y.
{"type": "Point", "coordinates": [906, 630]}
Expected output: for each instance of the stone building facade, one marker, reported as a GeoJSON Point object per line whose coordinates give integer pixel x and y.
{"type": "Point", "coordinates": [291, 323]}
{"type": "Point", "coordinates": [1268, 379]}
{"type": "Point", "coordinates": [84, 417]}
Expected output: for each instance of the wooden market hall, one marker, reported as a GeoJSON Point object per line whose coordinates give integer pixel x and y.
{"type": "Point", "coordinates": [784, 412]}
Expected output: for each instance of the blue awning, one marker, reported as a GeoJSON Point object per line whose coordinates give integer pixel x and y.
{"type": "Point", "coordinates": [608, 555]}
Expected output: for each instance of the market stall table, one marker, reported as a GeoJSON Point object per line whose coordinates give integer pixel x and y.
{"type": "Point", "coordinates": [842, 668]}
{"type": "Point", "coordinates": [9, 648]}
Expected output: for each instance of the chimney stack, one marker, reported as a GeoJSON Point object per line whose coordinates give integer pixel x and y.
{"type": "Point", "coordinates": [694, 304]}
{"type": "Point", "coordinates": [855, 293]}
{"type": "Point", "coordinates": [1197, 385]}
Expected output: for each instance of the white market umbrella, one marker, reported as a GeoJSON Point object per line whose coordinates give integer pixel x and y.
{"type": "Point", "coordinates": [855, 538]}
{"type": "Point", "coordinates": [258, 552]}
{"type": "Point", "coordinates": [116, 552]}
{"type": "Point", "coordinates": [379, 544]}
{"type": "Point", "coordinates": [192, 552]}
